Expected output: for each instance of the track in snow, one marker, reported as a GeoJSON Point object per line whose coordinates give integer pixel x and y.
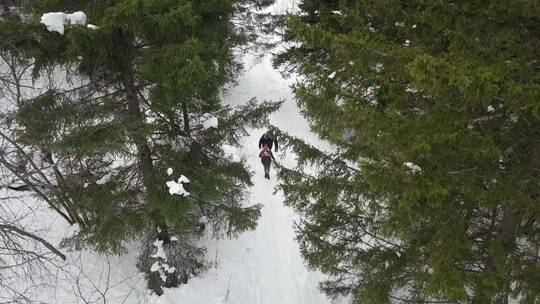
{"type": "Point", "coordinates": [263, 266]}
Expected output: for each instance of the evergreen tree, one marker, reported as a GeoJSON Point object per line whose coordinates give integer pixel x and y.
{"type": "Point", "coordinates": [143, 83]}
{"type": "Point", "coordinates": [431, 191]}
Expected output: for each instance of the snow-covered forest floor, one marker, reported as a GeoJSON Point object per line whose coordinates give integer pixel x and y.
{"type": "Point", "coordinates": [261, 266]}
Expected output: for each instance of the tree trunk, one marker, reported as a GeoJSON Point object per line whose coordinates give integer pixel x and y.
{"type": "Point", "coordinates": [144, 153]}
{"type": "Point", "coordinates": [186, 119]}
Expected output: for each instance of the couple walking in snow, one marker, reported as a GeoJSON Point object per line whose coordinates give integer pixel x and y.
{"type": "Point", "coordinates": [266, 143]}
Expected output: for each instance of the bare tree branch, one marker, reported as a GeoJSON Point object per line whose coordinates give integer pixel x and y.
{"type": "Point", "coordinates": [34, 237]}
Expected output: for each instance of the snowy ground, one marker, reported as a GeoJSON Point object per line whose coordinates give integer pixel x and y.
{"type": "Point", "coordinates": [261, 266]}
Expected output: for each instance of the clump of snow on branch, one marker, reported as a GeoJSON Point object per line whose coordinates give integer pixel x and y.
{"type": "Point", "coordinates": [160, 253]}
{"type": "Point", "coordinates": [209, 121]}
{"type": "Point", "coordinates": [178, 187]}
{"type": "Point", "coordinates": [160, 265]}
{"type": "Point", "coordinates": [155, 267]}
{"type": "Point", "coordinates": [412, 167]}
{"type": "Point", "coordinates": [55, 21]}
{"type": "Point", "coordinates": [105, 179]}
{"type": "Point", "coordinates": [170, 171]}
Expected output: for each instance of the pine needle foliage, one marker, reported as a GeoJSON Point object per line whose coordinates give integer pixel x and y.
{"type": "Point", "coordinates": [430, 191]}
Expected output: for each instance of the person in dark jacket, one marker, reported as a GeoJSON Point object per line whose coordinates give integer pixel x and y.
{"type": "Point", "coordinates": [267, 140]}
{"type": "Point", "coordinates": [266, 159]}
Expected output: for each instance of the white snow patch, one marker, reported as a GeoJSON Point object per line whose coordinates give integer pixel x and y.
{"type": "Point", "coordinates": [514, 118]}
{"type": "Point", "coordinates": [178, 187]}
{"type": "Point", "coordinates": [162, 275]}
{"type": "Point", "coordinates": [174, 239]}
{"type": "Point", "coordinates": [183, 179]}
{"type": "Point", "coordinates": [55, 21]}
{"type": "Point", "coordinates": [160, 253]}
{"type": "Point", "coordinates": [72, 230]}
{"type": "Point", "coordinates": [209, 121]}
{"type": "Point", "coordinates": [105, 179]}
{"type": "Point", "coordinates": [331, 76]}
{"type": "Point", "coordinates": [155, 267]}
{"type": "Point", "coordinates": [378, 67]}
{"type": "Point", "coordinates": [92, 27]}
{"type": "Point", "coordinates": [168, 268]}
{"type": "Point", "coordinates": [410, 89]}
{"type": "Point", "coordinates": [412, 167]}
{"type": "Point", "coordinates": [490, 109]}
{"type": "Point", "coordinates": [77, 18]}
{"type": "Point", "coordinates": [170, 171]}
{"type": "Point", "coordinates": [161, 265]}
{"type": "Point", "coordinates": [233, 153]}
{"type": "Point", "coordinates": [337, 12]}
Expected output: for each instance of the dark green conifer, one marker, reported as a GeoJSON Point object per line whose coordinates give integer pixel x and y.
{"type": "Point", "coordinates": [137, 90]}
{"type": "Point", "coordinates": [431, 191]}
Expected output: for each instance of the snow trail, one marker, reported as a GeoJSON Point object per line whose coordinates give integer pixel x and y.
{"type": "Point", "coordinates": [263, 266]}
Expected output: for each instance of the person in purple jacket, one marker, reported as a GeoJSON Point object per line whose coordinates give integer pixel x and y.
{"type": "Point", "coordinates": [266, 159]}
{"type": "Point", "coordinates": [267, 140]}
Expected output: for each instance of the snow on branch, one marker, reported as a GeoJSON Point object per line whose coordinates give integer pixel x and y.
{"type": "Point", "coordinates": [55, 21]}
{"type": "Point", "coordinates": [413, 168]}
{"type": "Point", "coordinates": [209, 121]}
{"type": "Point", "coordinates": [161, 265]}
{"type": "Point", "coordinates": [177, 187]}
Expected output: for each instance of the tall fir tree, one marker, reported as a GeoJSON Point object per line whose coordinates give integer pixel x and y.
{"type": "Point", "coordinates": [431, 191]}
{"type": "Point", "coordinates": [140, 88]}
